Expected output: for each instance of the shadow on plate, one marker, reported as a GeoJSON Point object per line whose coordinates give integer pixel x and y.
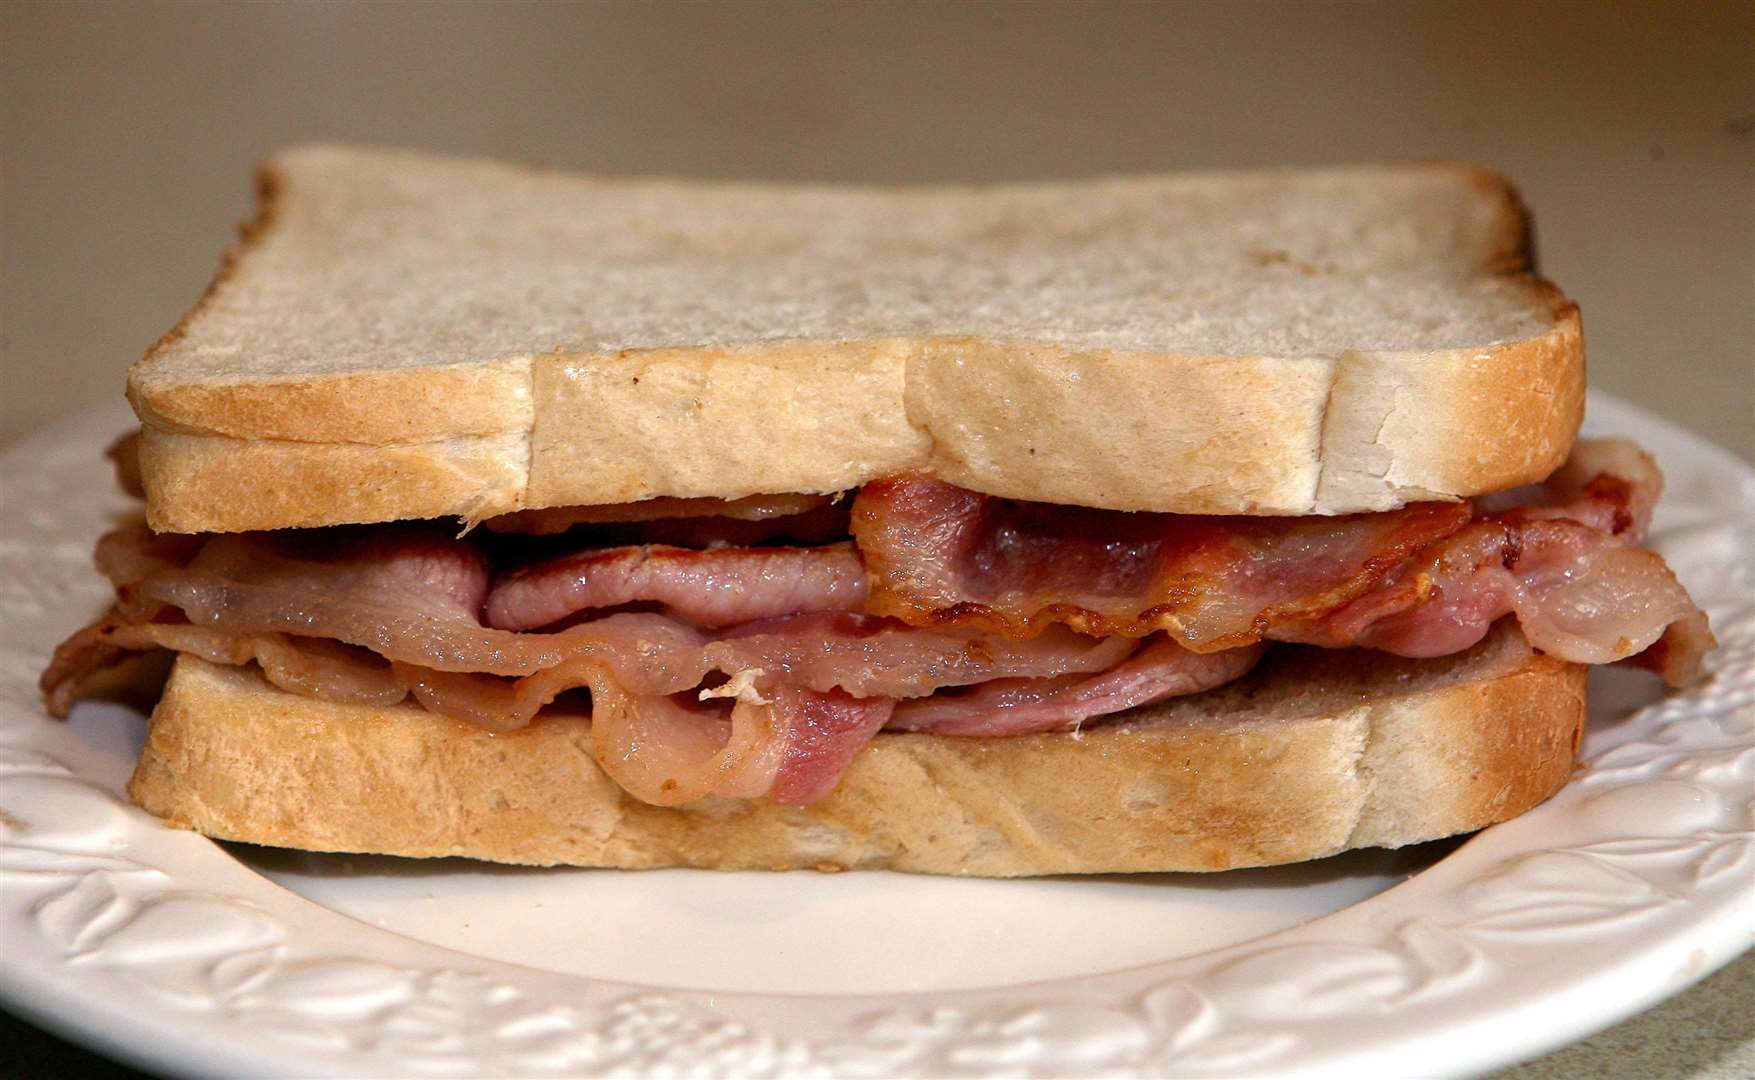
{"type": "Point", "coordinates": [1366, 862]}
{"type": "Point", "coordinates": [1616, 694]}
{"type": "Point", "coordinates": [1370, 862]}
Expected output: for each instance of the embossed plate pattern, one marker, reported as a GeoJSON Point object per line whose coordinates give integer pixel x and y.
{"type": "Point", "coordinates": [162, 947]}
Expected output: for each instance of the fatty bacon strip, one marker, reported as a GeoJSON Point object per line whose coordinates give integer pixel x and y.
{"type": "Point", "coordinates": [1426, 580]}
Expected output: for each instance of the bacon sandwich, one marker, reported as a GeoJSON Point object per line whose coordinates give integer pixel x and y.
{"type": "Point", "coordinates": [1170, 523]}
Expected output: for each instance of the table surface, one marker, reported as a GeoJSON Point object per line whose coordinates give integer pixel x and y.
{"type": "Point", "coordinates": [130, 130]}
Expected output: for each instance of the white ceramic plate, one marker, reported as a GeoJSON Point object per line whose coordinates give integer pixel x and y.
{"type": "Point", "coordinates": [191, 957]}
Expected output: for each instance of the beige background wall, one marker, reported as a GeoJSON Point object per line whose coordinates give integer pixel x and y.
{"type": "Point", "coordinates": [129, 130]}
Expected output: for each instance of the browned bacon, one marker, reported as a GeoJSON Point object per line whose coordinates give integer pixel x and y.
{"type": "Point", "coordinates": [940, 555]}
{"type": "Point", "coordinates": [1578, 592]}
{"type": "Point", "coordinates": [1421, 581]}
{"type": "Point", "coordinates": [1565, 568]}
{"type": "Point", "coordinates": [712, 588]}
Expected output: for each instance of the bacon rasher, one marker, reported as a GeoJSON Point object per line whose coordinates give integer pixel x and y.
{"type": "Point", "coordinates": [1425, 580]}
{"type": "Point", "coordinates": [763, 671]}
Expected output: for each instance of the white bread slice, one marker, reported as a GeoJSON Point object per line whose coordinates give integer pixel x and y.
{"type": "Point", "coordinates": [1315, 753]}
{"type": "Point", "coordinates": [406, 335]}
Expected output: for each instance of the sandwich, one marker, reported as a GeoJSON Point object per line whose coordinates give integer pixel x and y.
{"type": "Point", "coordinates": [1166, 523]}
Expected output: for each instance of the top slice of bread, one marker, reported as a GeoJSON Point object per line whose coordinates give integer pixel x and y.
{"type": "Point", "coordinates": [405, 335]}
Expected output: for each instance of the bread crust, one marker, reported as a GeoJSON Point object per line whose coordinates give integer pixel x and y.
{"type": "Point", "coordinates": [1516, 409]}
{"type": "Point", "coordinates": [208, 483]}
{"type": "Point", "coordinates": [1371, 431]}
{"type": "Point", "coordinates": [1189, 431]}
{"type": "Point", "coordinates": [1313, 755]}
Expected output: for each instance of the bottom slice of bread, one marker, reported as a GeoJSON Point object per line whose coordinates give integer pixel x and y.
{"type": "Point", "coordinates": [1314, 753]}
